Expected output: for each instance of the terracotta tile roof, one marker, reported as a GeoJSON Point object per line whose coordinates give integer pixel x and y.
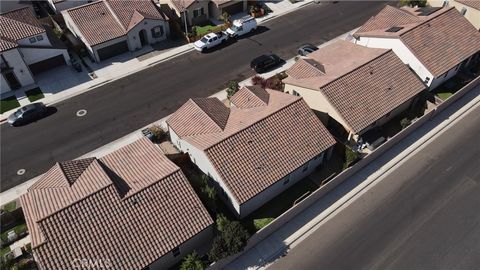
{"type": "Point", "coordinates": [109, 19]}
{"type": "Point", "coordinates": [362, 91]}
{"type": "Point", "coordinates": [250, 96]}
{"type": "Point", "coordinates": [471, 3]}
{"type": "Point", "coordinates": [18, 24]}
{"type": "Point", "coordinates": [306, 68]}
{"type": "Point", "coordinates": [91, 218]}
{"type": "Point", "coordinates": [199, 116]}
{"type": "Point", "coordinates": [440, 40]}
{"type": "Point", "coordinates": [221, 2]}
{"type": "Point", "coordinates": [261, 144]}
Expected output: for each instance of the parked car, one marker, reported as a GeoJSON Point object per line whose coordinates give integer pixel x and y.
{"type": "Point", "coordinates": [265, 62]}
{"type": "Point", "coordinates": [242, 26]}
{"type": "Point", "coordinates": [27, 114]}
{"type": "Point", "coordinates": [210, 40]}
{"type": "Point", "coordinates": [306, 49]}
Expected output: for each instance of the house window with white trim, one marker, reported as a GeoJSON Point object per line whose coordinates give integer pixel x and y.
{"type": "Point", "coordinates": [464, 11]}
{"type": "Point", "coordinates": [39, 38]}
{"type": "Point", "coordinates": [445, 3]}
{"type": "Point", "coordinates": [157, 31]}
{"type": "Point", "coordinates": [32, 40]}
{"type": "Point", "coordinates": [198, 12]}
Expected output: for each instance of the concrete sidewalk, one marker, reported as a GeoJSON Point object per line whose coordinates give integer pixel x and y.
{"type": "Point", "coordinates": [63, 82]}
{"type": "Point", "coordinates": [305, 223]}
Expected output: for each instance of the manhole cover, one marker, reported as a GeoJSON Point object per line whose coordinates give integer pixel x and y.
{"type": "Point", "coordinates": [21, 172]}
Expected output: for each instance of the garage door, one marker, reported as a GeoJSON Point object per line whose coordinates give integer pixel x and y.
{"type": "Point", "coordinates": [112, 50]}
{"type": "Point", "coordinates": [47, 64]}
{"type": "Point", "coordinates": [234, 9]}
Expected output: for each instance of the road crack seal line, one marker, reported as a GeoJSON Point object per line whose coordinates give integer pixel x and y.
{"type": "Point", "coordinates": [81, 112]}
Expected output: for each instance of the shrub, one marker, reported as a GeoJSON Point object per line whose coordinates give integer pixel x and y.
{"type": "Point", "coordinates": [258, 80]}
{"type": "Point", "coordinates": [222, 221]}
{"type": "Point", "coordinates": [192, 262]}
{"type": "Point", "coordinates": [232, 88]}
{"type": "Point", "coordinates": [274, 83]}
{"type": "Point", "coordinates": [350, 157]}
{"type": "Point", "coordinates": [233, 239]}
{"type": "Point", "coordinates": [405, 122]}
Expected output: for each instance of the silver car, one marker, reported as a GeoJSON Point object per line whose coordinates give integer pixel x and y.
{"type": "Point", "coordinates": [27, 114]}
{"type": "Point", "coordinates": [306, 49]}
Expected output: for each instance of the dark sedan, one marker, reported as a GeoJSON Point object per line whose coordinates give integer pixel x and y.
{"type": "Point", "coordinates": [265, 62]}
{"type": "Point", "coordinates": [27, 114]}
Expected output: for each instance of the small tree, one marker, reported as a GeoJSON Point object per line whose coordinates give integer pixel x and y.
{"type": "Point", "coordinates": [350, 157]}
{"type": "Point", "coordinates": [226, 18]}
{"type": "Point", "coordinates": [232, 88]}
{"type": "Point", "coordinates": [413, 3]}
{"type": "Point", "coordinates": [233, 239]}
{"type": "Point", "coordinates": [192, 262]}
{"type": "Point", "coordinates": [405, 122]}
{"type": "Point", "coordinates": [259, 80]}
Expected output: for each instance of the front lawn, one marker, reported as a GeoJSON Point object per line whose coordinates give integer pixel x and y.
{"type": "Point", "coordinates": [8, 104]}
{"type": "Point", "coordinates": [208, 28]}
{"type": "Point", "coordinates": [34, 94]}
{"type": "Point", "coordinates": [444, 96]}
{"type": "Point", "coordinates": [278, 205]}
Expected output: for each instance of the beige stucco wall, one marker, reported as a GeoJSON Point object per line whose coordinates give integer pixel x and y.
{"type": "Point", "coordinates": [472, 15]}
{"type": "Point", "coordinates": [196, 5]}
{"type": "Point", "coordinates": [20, 69]}
{"type": "Point", "coordinates": [216, 12]}
{"type": "Point", "coordinates": [318, 102]}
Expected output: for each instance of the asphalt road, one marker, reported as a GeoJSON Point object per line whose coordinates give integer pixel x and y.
{"type": "Point", "coordinates": [431, 220]}
{"type": "Point", "coordinates": [130, 103]}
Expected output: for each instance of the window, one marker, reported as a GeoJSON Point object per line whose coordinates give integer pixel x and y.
{"type": "Point", "coordinates": [39, 38]}
{"type": "Point", "coordinates": [176, 251]}
{"type": "Point", "coordinates": [195, 13]}
{"type": "Point", "coordinates": [464, 11]}
{"type": "Point", "coordinates": [198, 12]}
{"type": "Point", "coordinates": [305, 168]}
{"type": "Point", "coordinates": [427, 79]}
{"type": "Point", "coordinates": [32, 40]}
{"type": "Point", "coordinates": [286, 180]}
{"type": "Point", "coordinates": [295, 93]}
{"type": "Point", "coordinates": [445, 3]}
{"type": "Point", "coordinates": [157, 31]}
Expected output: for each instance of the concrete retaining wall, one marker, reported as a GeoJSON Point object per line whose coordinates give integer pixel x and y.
{"type": "Point", "coordinates": [344, 175]}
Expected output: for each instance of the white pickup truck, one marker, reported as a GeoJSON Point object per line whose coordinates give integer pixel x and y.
{"type": "Point", "coordinates": [210, 40]}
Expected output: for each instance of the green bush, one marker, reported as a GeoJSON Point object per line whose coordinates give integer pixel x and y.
{"type": "Point", "coordinates": [261, 222]}
{"type": "Point", "coordinates": [232, 88]}
{"type": "Point", "coordinates": [405, 122]}
{"type": "Point", "coordinates": [233, 239]}
{"type": "Point", "coordinates": [192, 262]}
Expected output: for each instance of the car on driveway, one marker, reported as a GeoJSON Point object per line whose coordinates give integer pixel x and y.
{"type": "Point", "coordinates": [265, 62]}
{"type": "Point", "coordinates": [306, 49]}
{"type": "Point", "coordinates": [27, 114]}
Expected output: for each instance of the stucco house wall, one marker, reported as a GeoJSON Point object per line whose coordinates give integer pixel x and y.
{"type": "Point", "coordinates": [15, 60]}
{"type": "Point", "coordinates": [133, 36]}
{"type": "Point", "coordinates": [269, 193]}
{"type": "Point", "coordinates": [216, 12]}
{"type": "Point", "coordinates": [200, 159]}
{"type": "Point", "coordinates": [472, 15]}
{"type": "Point", "coordinates": [199, 243]}
{"type": "Point", "coordinates": [402, 52]}
{"type": "Point", "coordinates": [34, 55]}
{"type": "Point", "coordinates": [194, 6]}
{"type": "Point", "coordinates": [38, 40]}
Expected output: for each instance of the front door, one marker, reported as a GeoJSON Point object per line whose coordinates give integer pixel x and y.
{"type": "Point", "coordinates": [12, 80]}
{"type": "Point", "coordinates": [143, 37]}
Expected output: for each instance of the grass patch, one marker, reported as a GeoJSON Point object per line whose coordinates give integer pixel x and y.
{"type": "Point", "coordinates": [8, 104]}
{"type": "Point", "coordinates": [9, 207]}
{"type": "Point", "coordinates": [277, 206]}
{"type": "Point", "coordinates": [34, 94]}
{"type": "Point", "coordinates": [444, 96]}
{"type": "Point", "coordinates": [203, 30]}
{"type": "Point", "coordinates": [261, 222]}
{"type": "Point", "coordinates": [18, 230]}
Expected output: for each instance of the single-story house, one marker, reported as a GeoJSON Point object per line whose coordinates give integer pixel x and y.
{"type": "Point", "coordinates": [198, 12]}
{"type": "Point", "coordinates": [26, 48]}
{"type": "Point", "coordinates": [61, 5]}
{"type": "Point", "coordinates": [262, 144]}
{"type": "Point", "coordinates": [131, 209]}
{"type": "Point", "coordinates": [111, 27]}
{"type": "Point", "coordinates": [435, 42]}
{"type": "Point", "coordinates": [470, 9]}
{"type": "Point", "coordinates": [355, 86]}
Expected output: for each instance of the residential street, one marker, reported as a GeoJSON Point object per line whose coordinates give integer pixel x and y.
{"type": "Point", "coordinates": [130, 103]}
{"type": "Point", "coordinates": [424, 215]}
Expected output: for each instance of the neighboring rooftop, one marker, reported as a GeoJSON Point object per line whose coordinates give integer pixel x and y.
{"type": "Point", "coordinates": [440, 38]}
{"type": "Point", "coordinates": [471, 3]}
{"type": "Point", "coordinates": [359, 84]}
{"type": "Point", "coordinates": [181, 5]}
{"type": "Point", "coordinates": [18, 24]}
{"type": "Point", "coordinates": [134, 197]}
{"type": "Point", "coordinates": [268, 135]}
{"type": "Point", "coordinates": [109, 19]}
